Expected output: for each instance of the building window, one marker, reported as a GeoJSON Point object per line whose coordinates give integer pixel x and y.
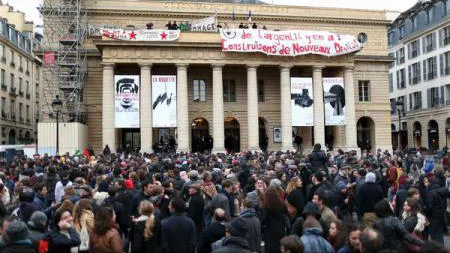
{"type": "Point", "coordinates": [27, 113]}
{"type": "Point", "coordinates": [403, 100]}
{"type": "Point", "coordinates": [414, 73]}
{"type": "Point", "coordinates": [444, 36]}
{"type": "Point", "coordinates": [2, 51]}
{"type": "Point", "coordinates": [391, 82]}
{"type": "Point", "coordinates": [229, 90]}
{"type": "Point", "coordinates": [20, 61]}
{"type": "Point", "coordinates": [415, 101]}
{"type": "Point", "coordinates": [401, 82]}
{"type": "Point", "coordinates": [20, 111]}
{"type": "Point", "coordinates": [430, 68]}
{"type": "Point", "coordinates": [28, 87]}
{"type": "Point", "coordinates": [401, 31]}
{"type": "Point", "coordinates": [11, 57]}
{"type": "Point", "coordinates": [364, 91]}
{"type": "Point", "coordinates": [13, 109]}
{"type": "Point", "coordinates": [444, 63]}
{"type": "Point", "coordinates": [3, 77]}
{"type": "Point", "coordinates": [12, 81]}
{"type": "Point", "coordinates": [260, 90]}
{"type": "Point", "coordinates": [447, 94]}
{"type": "Point", "coordinates": [392, 64]}
{"type": "Point", "coordinates": [413, 49]}
{"type": "Point", "coordinates": [199, 90]}
{"type": "Point", "coordinates": [433, 97]}
{"type": "Point", "coordinates": [3, 104]}
{"type": "Point", "coordinates": [393, 107]}
{"type": "Point", "coordinates": [20, 84]}
{"type": "Point", "coordinates": [429, 43]}
{"type": "Point", "coordinates": [401, 56]}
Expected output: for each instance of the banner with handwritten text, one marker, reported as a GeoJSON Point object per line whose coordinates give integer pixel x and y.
{"type": "Point", "coordinates": [288, 43]}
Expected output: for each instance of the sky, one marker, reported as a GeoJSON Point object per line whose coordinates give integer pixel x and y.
{"type": "Point", "coordinates": [32, 14]}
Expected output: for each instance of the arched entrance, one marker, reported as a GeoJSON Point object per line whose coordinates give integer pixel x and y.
{"type": "Point", "coordinates": [12, 137]}
{"type": "Point", "coordinates": [232, 135]}
{"type": "Point", "coordinates": [263, 138]}
{"type": "Point", "coordinates": [417, 138]}
{"type": "Point", "coordinates": [200, 135]}
{"type": "Point", "coordinates": [447, 131]}
{"type": "Point", "coordinates": [366, 133]}
{"type": "Point", "coordinates": [433, 136]}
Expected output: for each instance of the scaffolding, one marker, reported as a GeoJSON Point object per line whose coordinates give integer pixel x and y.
{"type": "Point", "coordinates": [65, 58]}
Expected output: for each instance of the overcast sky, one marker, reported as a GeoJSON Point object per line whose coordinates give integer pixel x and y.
{"type": "Point", "coordinates": [29, 6]}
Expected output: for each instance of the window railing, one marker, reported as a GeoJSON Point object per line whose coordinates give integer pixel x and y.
{"type": "Point", "coordinates": [4, 115]}
{"type": "Point", "coordinates": [415, 80]}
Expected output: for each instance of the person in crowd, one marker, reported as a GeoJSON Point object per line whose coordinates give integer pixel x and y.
{"type": "Point", "coordinates": [274, 220]}
{"type": "Point", "coordinates": [178, 232]}
{"type": "Point", "coordinates": [371, 240]}
{"type": "Point", "coordinates": [59, 188]}
{"type": "Point", "coordinates": [83, 218]}
{"type": "Point", "coordinates": [337, 234]}
{"type": "Point", "coordinates": [105, 237]}
{"type": "Point", "coordinates": [18, 239]}
{"type": "Point", "coordinates": [145, 194]}
{"type": "Point", "coordinates": [196, 207]}
{"type": "Point", "coordinates": [234, 240]}
{"type": "Point", "coordinates": [318, 158]}
{"type": "Point", "coordinates": [312, 237]}
{"type": "Point", "coordinates": [37, 227]}
{"type": "Point", "coordinates": [214, 232]}
{"type": "Point", "coordinates": [63, 237]}
{"type": "Point", "coordinates": [295, 200]}
{"type": "Point", "coordinates": [26, 207]}
{"type": "Point", "coordinates": [369, 194]}
{"type": "Point", "coordinates": [252, 223]}
{"type": "Point", "coordinates": [413, 220]}
{"type": "Point", "coordinates": [436, 204]}
{"type": "Point", "coordinates": [353, 244]}
{"type": "Point", "coordinates": [326, 214]}
{"type": "Point", "coordinates": [146, 230]}
{"type": "Point", "coordinates": [291, 244]}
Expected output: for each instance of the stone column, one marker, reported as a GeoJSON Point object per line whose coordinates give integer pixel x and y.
{"type": "Point", "coordinates": [252, 108]}
{"type": "Point", "coordinates": [182, 108]}
{"type": "Point", "coordinates": [146, 109]}
{"type": "Point", "coordinates": [218, 111]}
{"type": "Point", "coordinates": [350, 118]}
{"type": "Point", "coordinates": [108, 105]}
{"type": "Point", "coordinates": [286, 112]}
{"type": "Point", "coordinates": [319, 113]}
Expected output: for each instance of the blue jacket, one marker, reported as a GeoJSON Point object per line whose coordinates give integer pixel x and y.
{"type": "Point", "coordinates": [314, 242]}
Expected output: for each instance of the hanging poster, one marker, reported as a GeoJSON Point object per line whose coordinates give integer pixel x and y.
{"type": "Point", "coordinates": [164, 101]}
{"type": "Point", "coordinates": [126, 89]}
{"type": "Point", "coordinates": [302, 103]}
{"type": "Point", "coordinates": [208, 24]}
{"type": "Point", "coordinates": [334, 101]}
{"type": "Point", "coordinates": [277, 134]}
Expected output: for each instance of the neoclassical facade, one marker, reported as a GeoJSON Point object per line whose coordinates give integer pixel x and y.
{"type": "Point", "coordinates": [245, 95]}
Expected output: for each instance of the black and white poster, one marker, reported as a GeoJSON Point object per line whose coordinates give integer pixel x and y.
{"type": "Point", "coordinates": [126, 88]}
{"type": "Point", "coordinates": [164, 101]}
{"type": "Point", "coordinates": [334, 101]}
{"type": "Point", "coordinates": [277, 134]}
{"type": "Point", "coordinates": [302, 103]}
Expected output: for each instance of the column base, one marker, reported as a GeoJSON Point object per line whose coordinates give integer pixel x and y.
{"type": "Point", "coordinates": [182, 150]}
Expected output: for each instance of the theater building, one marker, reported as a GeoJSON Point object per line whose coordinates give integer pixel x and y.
{"type": "Point", "coordinates": [196, 84]}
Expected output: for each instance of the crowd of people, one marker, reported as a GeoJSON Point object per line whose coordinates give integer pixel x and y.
{"type": "Point", "coordinates": [242, 202]}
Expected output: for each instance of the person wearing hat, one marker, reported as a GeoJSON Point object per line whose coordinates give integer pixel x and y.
{"type": "Point", "coordinates": [368, 195]}
{"type": "Point", "coordinates": [196, 208]}
{"type": "Point", "coordinates": [234, 240]}
{"type": "Point", "coordinates": [37, 227]}
{"type": "Point", "coordinates": [17, 237]}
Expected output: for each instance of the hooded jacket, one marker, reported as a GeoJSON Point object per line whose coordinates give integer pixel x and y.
{"type": "Point", "coordinates": [314, 242]}
{"type": "Point", "coordinates": [234, 244]}
{"type": "Point", "coordinates": [253, 225]}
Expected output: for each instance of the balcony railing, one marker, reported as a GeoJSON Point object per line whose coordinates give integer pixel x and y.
{"type": "Point", "coordinates": [27, 72]}
{"type": "Point", "coordinates": [20, 69]}
{"type": "Point", "coordinates": [21, 93]}
{"type": "Point", "coordinates": [28, 120]}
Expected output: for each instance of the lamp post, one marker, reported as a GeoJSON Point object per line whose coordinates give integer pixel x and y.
{"type": "Point", "coordinates": [57, 105]}
{"type": "Point", "coordinates": [399, 105]}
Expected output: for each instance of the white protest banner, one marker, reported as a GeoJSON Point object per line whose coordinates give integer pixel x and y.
{"type": "Point", "coordinates": [204, 25]}
{"type": "Point", "coordinates": [137, 35]}
{"type": "Point", "coordinates": [288, 43]}
{"type": "Point", "coordinates": [164, 101]}
{"type": "Point", "coordinates": [302, 103]}
{"type": "Point", "coordinates": [126, 101]}
{"type": "Point", "coordinates": [334, 101]}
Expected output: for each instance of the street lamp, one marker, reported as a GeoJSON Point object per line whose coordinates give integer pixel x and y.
{"type": "Point", "coordinates": [399, 105]}
{"type": "Point", "coordinates": [57, 106]}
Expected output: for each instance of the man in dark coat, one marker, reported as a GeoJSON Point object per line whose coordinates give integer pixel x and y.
{"type": "Point", "coordinates": [317, 158]}
{"type": "Point", "coordinates": [213, 232]}
{"type": "Point", "coordinates": [234, 241]}
{"type": "Point", "coordinates": [369, 194]}
{"type": "Point", "coordinates": [252, 223]}
{"type": "Point", "coordinates": [145, 194]}
{"type": "Point", "coordinates": [437, 195]}
{"type": "Point", "coordinates": [178, 233]}
{"type": "Point", "coordinates": [196, 208]}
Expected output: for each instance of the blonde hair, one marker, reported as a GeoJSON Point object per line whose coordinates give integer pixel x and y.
{"type": "Point", "coordinates": [292, 184]}
{"type": "Point", "coordinates": [146, 208]}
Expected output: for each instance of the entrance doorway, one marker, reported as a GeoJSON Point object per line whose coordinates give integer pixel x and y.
{"type": "Point", "coordinates": [433, 136]}
{"type": "Point", "coordinates": [131, 139]}
{"type": "Point", "coordinates": [200, 135]}
{"type": "Point", "coordinates": [366, 133]}
{"type": "Point", "coordinates": [232, 135]}
{"type": "Point", "coordinates": [330, 137]}
{"type": "Point", "coordinates": [417, 138]}
{"type": "Point", "coordinates": [263, 138]}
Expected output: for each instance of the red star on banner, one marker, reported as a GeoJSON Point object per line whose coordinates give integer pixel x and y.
{"type": "Point", "coordinates": [132, 35]}
{"type": "Point", "coordinates": [163, 35]}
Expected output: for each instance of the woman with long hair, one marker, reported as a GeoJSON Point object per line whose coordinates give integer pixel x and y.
{"type": "Point", "coordinates": [413, 220]}
{"type": "Point", "coordinates": [83, 217]}
{"type": "Point", "coordinates": [274, 220]}
{"type": "Point", "coordinates": [105, 237]}
{"type": "Point", "coordinates": [295, 201]}
{"type": "Point", "coordinates": [146, 230]}
{"type": "Point", "coordinates": [353, 244]}
{"type": "Point", "coordinates": [337, 234]}
{"type": "Point", "coordinates": [63, 237]}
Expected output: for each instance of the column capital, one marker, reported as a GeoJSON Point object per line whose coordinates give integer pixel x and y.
{"type": "Point", "coordinates": [182, 65]}
{"type": "Point", "coordinates": [349, 68]}
{"type": "Point", "coordinates": [318, 67]}
{"type": "Point", "coordinates": [252, 66]}
{"type": "Point", "coordinates": [217, 65]}
{"type": "Point", "coordinates": [145, 65]}
{"type": "Point", "coordinates": [108, 64]}
{"type": "Point", "coordinates": [286, 67]}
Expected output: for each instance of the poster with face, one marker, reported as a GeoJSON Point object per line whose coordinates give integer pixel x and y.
{"type": "Point", "coordinates": [126, 88]}
{"type": "Point", "coordinates": [302, 103]}
{"type": "Point", "coordinates": [164, 101]}
{"type": "Point", "coordinates": [334, 101]}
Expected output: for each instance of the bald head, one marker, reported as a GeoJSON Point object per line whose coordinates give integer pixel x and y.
{"type": "Point", "coordinates": [219, 214]}
{"type": "Point", "coordinates": [371, 240]}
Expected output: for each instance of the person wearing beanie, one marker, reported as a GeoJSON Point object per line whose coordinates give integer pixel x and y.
{"type": "Point", "coordinates": [37, 227]}
{"type": "Point", "coordinates": [368, 195]}
{"type": "Point", "coordinates": [17, 238]}
{"type": "Point", "coordinates": [234, 240]}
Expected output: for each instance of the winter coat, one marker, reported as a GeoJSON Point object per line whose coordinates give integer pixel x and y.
{"type": "Point", "coordinates": [35, 235]}
{"type": "Point", "coordinates": [196, 211]}
{"type": "Point", "coordinates": [62, 241]}
{"type": "Point", "coordinates": [88, 217]}
{"type": "Point", "coordinates": [50, 183]}
{"type": "Point", "coordinates": [125, 197]}
{"type": "Point", "coordinates": [234, 244]}
{"type": "Point", "coordinates": [402, 195]}
{"type": "Point", "coordinates": [253, 225]}
{"type": "Point", "coordinates": [296, 199]}
{"type": "Point", "coordinates": [110, 242]}
{"type": "Point", "coordinates": [274, 227]}
{"type": "Point", "coordinates": [395, 233]}
{"type": "Point", "coordinates": [136, 201]}
{"type": "Point", "coordinates": [138, 242]}
{"type": "Point", "coordinates": [318, 160]}
{"type": "Point", "coordinates": [437, 195]}
{"type": "Point", "coordinates": [178, 234]}
{"type": "Point", "coordinates": [26, 209]}
{"type": "Point", "coordinates": [219, 201]}
{"type": "Point", "coordinates": [211, 234]}
{"type": "Point", "coordinates": [314, 242]}
{"type": "Point", "coordinates": [369, 194]}
{"type": "Point", "coordinates": [122, 217]}
{"type": "Point", "coordinates": [24, 246]}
